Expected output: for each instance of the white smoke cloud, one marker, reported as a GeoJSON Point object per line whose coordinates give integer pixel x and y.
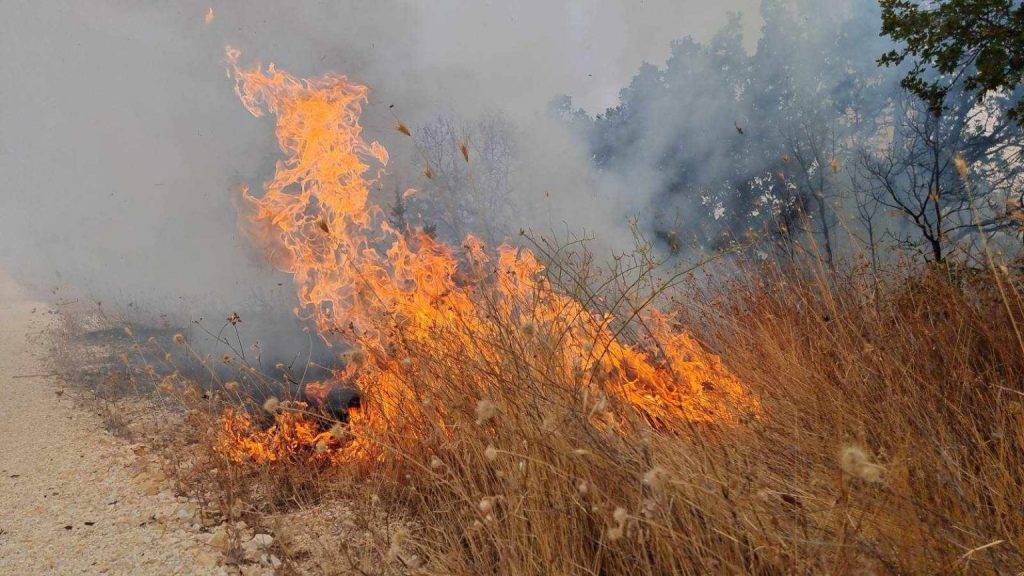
{"type": "Point", "coordinates": [122, 144]}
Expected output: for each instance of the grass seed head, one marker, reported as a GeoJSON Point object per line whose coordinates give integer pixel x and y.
{"type": "Point", "coordinates": [272, 405]}
{"type": "Point", "coordinates": [491, 453]}
{"type": "Point", "coordinates": [656, 478]}
{"type": "Point", "coordinates": [355, 357]}
{"type": "Point", "coordinates": [485, 410]}
{"type": "Point", "coordinates": [339, 431]}
{"type": "Point", "coordinates": [620, 515]}
{"type": "Point", "coordinates": [855, 462]}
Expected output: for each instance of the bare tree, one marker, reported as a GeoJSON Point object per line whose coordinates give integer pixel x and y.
{"type": "Point", "coordinates": [915, 174]}
{"type": "Point", "coordinates": [812, 150]}
{"type": "Point", "coordinates": [470, 172]}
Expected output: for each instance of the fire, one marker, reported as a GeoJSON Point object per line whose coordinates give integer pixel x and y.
{"type": "Point", "coordinates": [397, 296]}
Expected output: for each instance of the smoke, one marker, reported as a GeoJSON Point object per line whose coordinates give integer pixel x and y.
{"type": "Point", "coordinates": [720, 141]}
{"type": "Point", "coordinates": [122, 144]}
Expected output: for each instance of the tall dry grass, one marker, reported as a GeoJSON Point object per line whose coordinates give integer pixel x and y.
{"type": "Point", "coordinates": [890, 442]}
{"type": "Point", "coordinates": [889, 439]}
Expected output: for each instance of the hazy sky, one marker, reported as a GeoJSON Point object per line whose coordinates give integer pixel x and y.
{"type": "Point", "coordinates": [122, 143]}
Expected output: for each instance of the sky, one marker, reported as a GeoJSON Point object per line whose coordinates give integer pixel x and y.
{"type": "Point", "coordinates": [122, 144]}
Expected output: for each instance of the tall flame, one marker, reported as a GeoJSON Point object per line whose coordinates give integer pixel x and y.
{"type": "Point", "coordinates": [383, 291]}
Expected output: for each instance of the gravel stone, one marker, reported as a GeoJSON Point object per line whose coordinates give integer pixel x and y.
{"type": "Point", "coordinates": [59, 467]}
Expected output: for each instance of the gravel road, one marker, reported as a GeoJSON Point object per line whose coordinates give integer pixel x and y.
{"type": "Point", "coordinates": [69, 500]}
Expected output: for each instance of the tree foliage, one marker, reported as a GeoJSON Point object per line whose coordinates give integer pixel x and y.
{"type": "Point", "coordinates": [976, 43]}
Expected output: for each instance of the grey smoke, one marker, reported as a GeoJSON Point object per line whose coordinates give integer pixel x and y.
{"type": "Point", "coordinates": [122, 144]}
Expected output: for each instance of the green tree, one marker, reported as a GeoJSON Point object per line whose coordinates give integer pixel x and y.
{"type": "Point", "coordinates": [977, 44]}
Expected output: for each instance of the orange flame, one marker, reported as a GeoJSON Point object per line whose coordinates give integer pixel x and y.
{"type": "Point", "coordinates": [382, 290]}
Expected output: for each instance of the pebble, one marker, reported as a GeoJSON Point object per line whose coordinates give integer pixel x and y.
{"type": "Point", "coordinates": [262, 540]}
{"type": "Point", "coordinates": [219, 539]}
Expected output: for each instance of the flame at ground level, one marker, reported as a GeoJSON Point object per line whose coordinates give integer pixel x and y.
{"type": "Point", "coordinates": [428, 324]}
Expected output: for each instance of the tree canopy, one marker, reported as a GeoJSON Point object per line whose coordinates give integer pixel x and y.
{"type": "Point", "coordinates": [978, 44]}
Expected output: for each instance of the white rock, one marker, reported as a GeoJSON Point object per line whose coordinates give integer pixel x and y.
{"type": "Point", "coordinates": [187, 512]}
{"type": "Point", "coordinates": [262, 541]}
{"type": "Point", "coordinates": [220, 538]}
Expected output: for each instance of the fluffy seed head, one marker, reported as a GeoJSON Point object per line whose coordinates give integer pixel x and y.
{"type": "Point", "coordinates": [271, 405]}
{"type": "Point", "coordinates": [620, 515]}
{"type": "Point", "coordinates": [356, 357]}
{"type": "Point", "coordinates": [486, 505]}
{"type": "Point", "coordinates": [491, 453]}
{"type": "Point", "coordinates": [656, 478]}
{"type": "Point", "coordinates": [179, 339]}
{"type": "Point", "coordinates": [855, 462]}
{"type": "Point", "coordinates": [485, 410]}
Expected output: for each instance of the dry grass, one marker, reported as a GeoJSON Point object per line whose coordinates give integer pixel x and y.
{"type": "Point", "coordinates": [890, 441]}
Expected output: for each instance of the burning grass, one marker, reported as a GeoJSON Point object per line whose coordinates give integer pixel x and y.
{"type": "Point", "coordinates": [888, 440]}
{"type": "Point", "coordinates": [408, 305]}
{"type": "Point", "coordinates": [524, 412]}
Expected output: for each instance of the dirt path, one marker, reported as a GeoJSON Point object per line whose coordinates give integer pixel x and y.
{"type": "Point", "coordinates": [69, 500]}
